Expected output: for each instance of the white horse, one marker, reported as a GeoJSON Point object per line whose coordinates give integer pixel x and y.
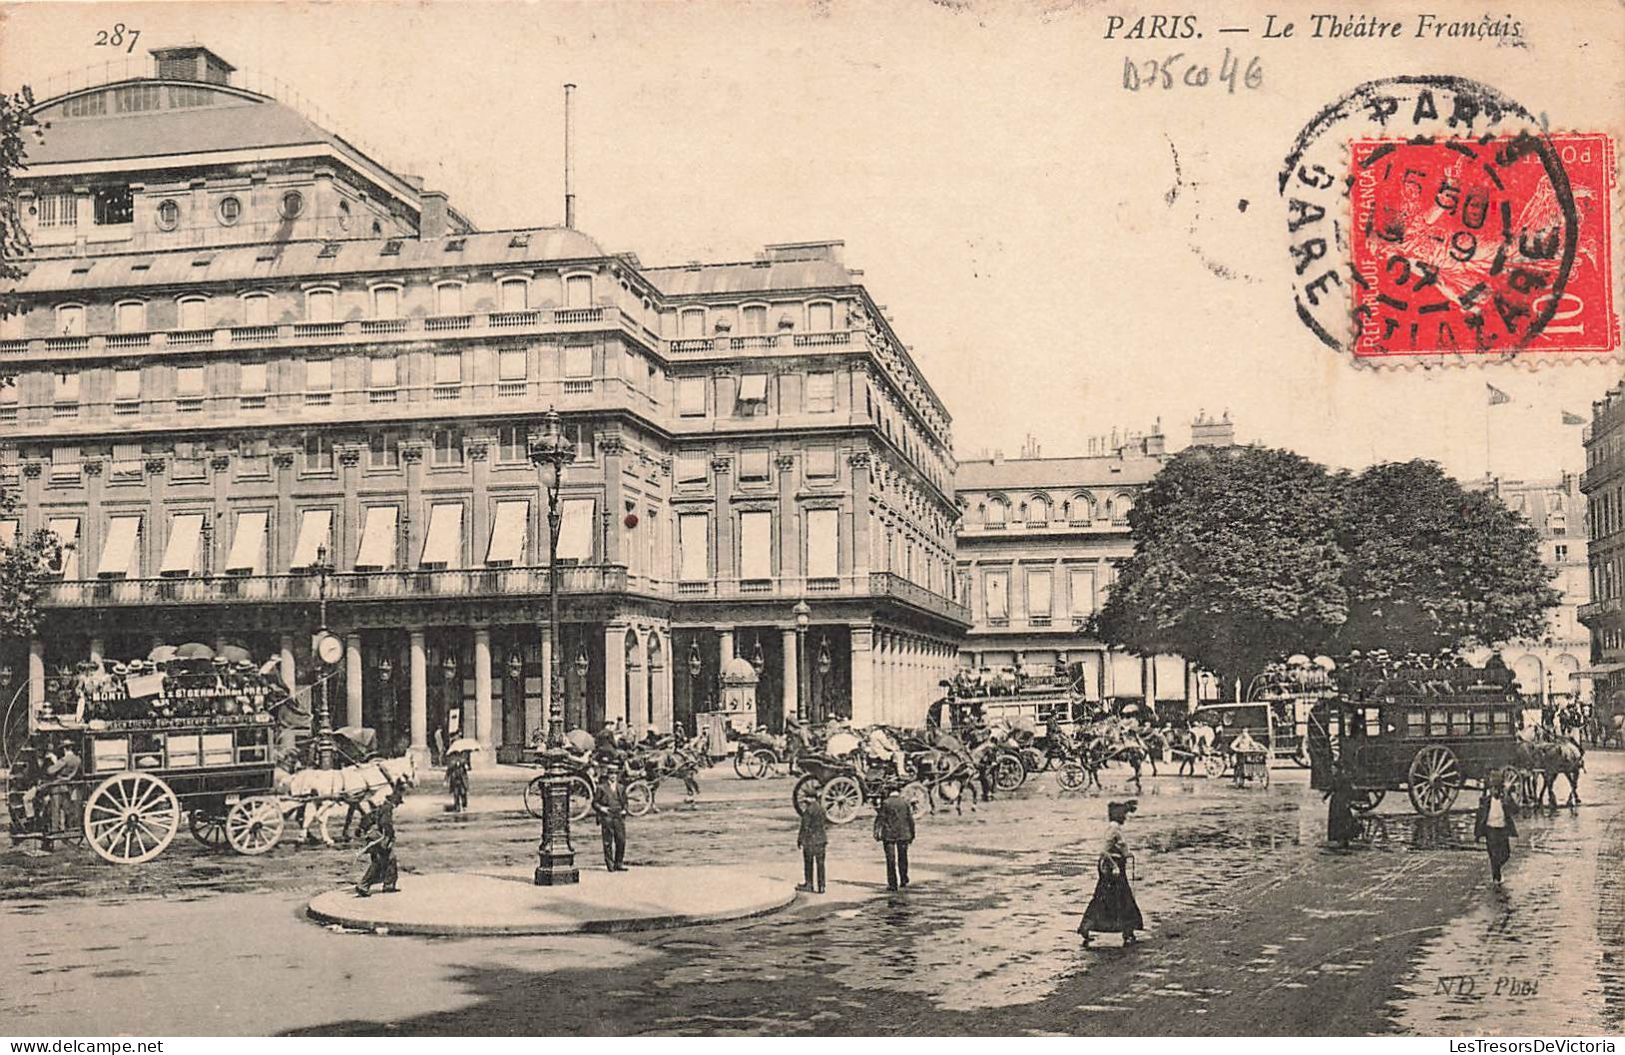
{"type": "Point", "coordinates": [359, 788]}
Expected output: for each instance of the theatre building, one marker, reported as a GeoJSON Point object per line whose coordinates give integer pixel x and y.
{"type": "Point", "coordinates": [259, 377]}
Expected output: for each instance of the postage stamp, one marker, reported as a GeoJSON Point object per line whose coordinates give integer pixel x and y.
{"type": "Point", "coordinates": [1432, 218]}
{"type": "Point", "coordinates": [1482, 247]}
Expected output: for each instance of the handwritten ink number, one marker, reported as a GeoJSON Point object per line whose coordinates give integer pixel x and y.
{"type": "Point", "coordinates": [120, 36]}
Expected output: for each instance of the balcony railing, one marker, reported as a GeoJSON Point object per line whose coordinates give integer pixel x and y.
{"type": "Point", "coordinates": [447, 583]}
{"type": "Point", "coordinates": [1596, 609]}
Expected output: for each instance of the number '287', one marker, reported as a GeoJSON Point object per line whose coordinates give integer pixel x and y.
{"type": "Point", "coordinates": [118, 37]}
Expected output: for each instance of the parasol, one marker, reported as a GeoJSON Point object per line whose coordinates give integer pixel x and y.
{"type": "Point", "coordinates": [580, 739]}
{"type": "Point", "coordinates": [234, 654]}
{"type": "Point", "coordinates": [463, 743]}
{"type": "Point", "coordinates": [841, 743]}
{"type": "Point", "coordinates": [194, 650]}
{"type": "Point", "coordinates": [161, 653]}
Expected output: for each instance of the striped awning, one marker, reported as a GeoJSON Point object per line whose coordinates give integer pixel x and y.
{"type": "Point", "coordinates": [575, 533]}
{"type": "Point", "coordinates": [66, 530]}
{"type": "Point", "coordinates": [377, 550]}
{"type": "Point", "coordinates": [315, 531]}
{"type": "Point", "coordinates": [120, 557]}
{"type": "Point", "coordinates": [248, 545]}
{"type": "Point", "coordinates": [180, 555]}
{"type": "Point", "coordinates": [444, 546]}
{"type": "Point", "coordinates": [509, 535]}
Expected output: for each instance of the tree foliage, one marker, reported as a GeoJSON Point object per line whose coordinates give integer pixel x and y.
{"type": "Point", "coordinates": [1243, 555]}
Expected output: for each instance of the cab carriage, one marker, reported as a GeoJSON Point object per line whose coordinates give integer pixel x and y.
{"type": "Point", "coordinates": [158, 743]}
{"type": "Point", "coordinates": [1430, 733]}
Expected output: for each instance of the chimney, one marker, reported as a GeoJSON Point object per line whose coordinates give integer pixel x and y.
{"type": "Point", "coordinates": [1212, 432]}
{"type": "Point", "coordinates": [433, 218]}
{"type": "Point", "coordinates": [569, 174]}
{"type": "Point", "coordinates": [191, 62]}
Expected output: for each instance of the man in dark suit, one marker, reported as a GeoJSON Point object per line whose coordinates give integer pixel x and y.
{"type": "Point", "coordinates": [813, 838]}
{"type": "Point", "coordinates": [894, 828]}
{"type": "Point", "coordinates": [609, 804]}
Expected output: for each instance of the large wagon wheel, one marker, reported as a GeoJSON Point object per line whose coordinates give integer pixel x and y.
{"type": "Point", "coordinates": [1435, 779]}
{"type": "Point", "coordinates": [580, 797]}
{"type": "Point", "coordinates": [1365, 800]}
{"type": "Point", "coordinates": [1072, 776]}
{"type": "Point", "coordinates": [1213, 765]}
{"type": "Point", "coordinates": [1032, 759]}
{"type": "Point", "coordinates": [1522, 786]}
{"type": "Point", "coordinates": [748, 764]}
{"type": "Point", "coordinates": [533, 797]}
{"type": "Point", "coordinates": [1008, 772]}
{"type": "Point", "coordinates": [841, 797]}
{"type": "Point", "coordinates": [805, 792]}
{"type": "Point", "coordinates": [131, 818]}
{"type": "Point", "coordinates": [254, 825]}
{"type": "Point", "coordinates": [208, 827]}
{"type": "Point", "coordinates": [640, 797]}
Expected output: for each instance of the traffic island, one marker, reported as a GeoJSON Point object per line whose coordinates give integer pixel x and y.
{"type": "Point", "coordinates": [507, 902]}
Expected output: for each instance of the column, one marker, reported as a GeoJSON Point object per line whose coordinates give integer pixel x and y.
{"type": "Point", "coordinates": [792, 675]}
{"type": "Point", "coordinates": [637, 684]}
{"type": "Point", "coordinates": [863, 675]}
{"type": "Point", "coordinates": [352, 680]}
{"type": "Point", "coordinates": [1148, 684]}
{"type": "Point", "coordinates": [97, 650]}
{"type": "Point", "coordinates": [539, 713]}
{"type": "Point", "coordinates": [36, 676]}
{"type": "Point", "coordinates": [290, 670]}
{"type": "Point", "coordinates": [614, 673]}
{"type": "Point", "coordinates": [887, 704]}
{"type": "Point", "coordinates": [1193, 688]}
{"type": "Point", "coordinates": [482, 694]}
{"type": "Point", "coordinates": [727, 648]}
{"type": "Point", "coordinates": [419, 687]}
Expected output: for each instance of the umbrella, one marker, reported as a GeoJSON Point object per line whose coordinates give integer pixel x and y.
{"type": "Point", "coordinates": [580, 739]}
{"type": "Point", "coordinates": [234, 654]}
{"type": "Point", "coordinates": [463, 743]}
{"type": "Point", "coordinates": [194, 650]}
{"type": "Point", "coordinates": [162, 653]}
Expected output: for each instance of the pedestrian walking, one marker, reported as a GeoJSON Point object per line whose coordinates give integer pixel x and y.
{"type": "Point", "coordinates": [609, 804]}
{"type": "Point", "coordinates": [1341, 824]}
{"type": "Point", "coordinates": [1494, 823]}
{"type": "Point", "coordinates": [813, 839]}
{"type": "Point", "coordinates": [457, 767]}
{"type": "Point", "coordinates": [894, 828]}
{"type": "Point", "coordinates": [1113, 908]}
{"type": "Point", "coordinates": [382, 866]}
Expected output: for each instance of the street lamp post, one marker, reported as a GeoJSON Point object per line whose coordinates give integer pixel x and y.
{"type": "Point", "coordinates": [322, 721]}
{"type": "Point", "coordinates": [556, 858]}
{"type": "Point", "coordinates": [803, 616]}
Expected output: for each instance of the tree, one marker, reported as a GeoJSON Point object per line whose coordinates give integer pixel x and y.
{"type": "Point", "coordinates": [1432, 565]}
{"type": "Point", "coordinates": [1235, 561]}
{"type": "Point", "coordinates": [24, 562]}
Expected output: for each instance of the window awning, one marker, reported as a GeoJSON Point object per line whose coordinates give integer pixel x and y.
{"type": "Point", "coordinates": [119, 556]}
{"type": "Point", "coordinates": [444, 546]}
{"type": "Point", "coordinates": [753, 388]}
{"type": "Point", "coordinates": [575, 534]}
{"type": "Point", "coordinates": [66, 530]}
{"type": "Point", "coordinates": [180, 555]}
{"type": "Point", "coordinates": [509, 534]}
{"type": "Point", "coordinates": [377, 550]}
{"type": "Point", "coordinates": [315, 531]}
{"type": "Point", "coordinates": [248, 545]}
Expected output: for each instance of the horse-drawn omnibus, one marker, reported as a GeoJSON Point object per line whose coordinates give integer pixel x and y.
{"type": "Point", "coordinates": [1427, 732]}
{"type": "Point", "coordinates": [157, 742]}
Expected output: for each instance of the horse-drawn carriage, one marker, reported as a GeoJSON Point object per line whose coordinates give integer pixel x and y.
{"type": "Point", "coordinates": [119, 757]}
{"type": "Point", "coordinates": [1429, 732]}
{"type": "Point", "coordinates": [643, 767]}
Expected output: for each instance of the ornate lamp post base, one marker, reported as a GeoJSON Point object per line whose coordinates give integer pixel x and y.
{"type": "Point", "coordinates": [556, 857]}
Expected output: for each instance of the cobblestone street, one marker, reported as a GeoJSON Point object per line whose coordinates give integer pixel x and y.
{"type": "Point", "coordinates": [1254, 927]}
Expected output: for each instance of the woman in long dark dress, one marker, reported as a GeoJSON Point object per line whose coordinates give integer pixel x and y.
{"type": "Point", "coordinates": [1113, 908]}
{"type": "Point", "coordinates": [1341, 824]}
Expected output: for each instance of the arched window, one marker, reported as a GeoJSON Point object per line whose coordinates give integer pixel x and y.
{"type": "Point", "coordinates": [1038, 511]}
{"type": "Point", "coordinates": [319, 305]}
{"type": "Point", "coordinates": [70, 320]}
{"type": "Point", "coordinates": [448, 298]}
{"type": "Point", "coordinates": [1083, 509]}
{"type": "Point", "coordinates": [997, 513]}
{"type": "Point", "coordinates": [1119, 507]}
{"type": "Point", "coordinates": [386, 302]}
{"type": "Point", "coordinates": [513, 294]}
{"type": "Point", "coordinates": [256, 309]}
{"type": "Point", "coordinates": [578, 291]}
{"type": "Point", "coordinates": [192, 311]}
{"type": "Point", "coordinates": [753, 319]}
{"type": "Point", "coordinates": [129, 316]}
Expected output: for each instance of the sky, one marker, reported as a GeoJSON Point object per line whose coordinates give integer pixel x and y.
{"type": "Point", "coordinates": [1063, 256]}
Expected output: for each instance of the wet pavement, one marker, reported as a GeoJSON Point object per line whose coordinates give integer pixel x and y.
{"type": "Point", "coordinates": [1254, 927]}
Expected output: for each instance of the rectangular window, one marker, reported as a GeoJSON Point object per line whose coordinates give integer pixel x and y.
{"type": "Point", "coordinates": [1460, 721]}
{"type": "Point", "coordinates": [512, 365]}
{"type": "Point", "coordinates": [754, 320]}
{"type": "Point", "coordinates": [820, 463]}
{"type": "Point", "coordinates": [823, 543]}
{"type": "Point", "coordinates": [578, 360]}
{"type": "Point", "coordinates": [256, 310]}
{"type": "Point", "coordinates": [578, 291]}
{"type": "Point", "coordinates": [66, 387]}
{"type": "Point", "coordinates": [753, 388]}
{"type": "Point", "coordinates": [820, 317]}
{"type": "Point", "coordinates": [996, 587]}
{"type": "Point", "coordinates": [121, 553]}
{"type": "Point", "coordinates": [691, 397]}
{"type": "Point", "coordinates": [188, 463]}
{"type": "Point", "coordinates": [192, 311]}
{"type": "Point", "coordinates": [513, 443]}
{"type": "Point", "coordinates": [576, 529]}
{"type": "Point", "coordinates": [1438, 723]}
{"type": "Point", "coordinates": [383, 372]}
{"type": "Point", "coordinates": [691, 469]}
{"type": "Point", "coordinates": [820, 393]}
{"type": "Point", "coordinates": [315, 539]}
{"type": "Point", "coordinates": [509, 533]}
{"type": "Point", "coordinates": [448, 368]}
{"type": "Point", "coordinates": [443, 548]}
{"type": "Point", "coordinates": [386, 302]}
{"type": "Point", "coordinates": [1039, 584]}
{"type": "Point", "coordinates": [693, 547]}
{"type": "Point", "coordinates": [448, 299]}
{"type": "Point", "coordinates": [318, 453]}
{"type": "Point", "coordinates": [692, 324]}
{"type": "Point", "coordinates": [1081, 590]}
{"type": "Point", "coordinates": [127, 461]}
{"type": "Point", "coordinates": [753, 466]}
{"type": "Point", "coordinates": [378, 542]}
{"type": "Point", "coordinates": [318, 381]}
{"type": "Point", "coordinates": [65, 463]}
{"type": "Point", "coordinates": [252, 381]}
{"type": "Point", "coordinates": [582, 437]}
{"type": "Point", "coordinates": [756, 545]}
{"type": "Point", "coordinates": [383, 451]}
{"type": "Point", "coordinates": [448, 447]}
{"type": "Point", "coordinates": [247, 555]}
{"type": "Point", "coordinates": [127, 385]}
{"type": "Point", "coordinates": [70, 320]}
{"type": "Point", "coordinates": [59, 210]}
{"type": "Point", "coordinates": [113, 205]}
{"type": "Point", "coordinates": [130, 317]}
{"type": "Point", "coordinates": [189, 382]}
{"type": "Point", "coordinates": [515, 294]}
{"type": "Point", "coordinates": [319, 305]}
{"type": "Point", "coordinates": [1560, 553]}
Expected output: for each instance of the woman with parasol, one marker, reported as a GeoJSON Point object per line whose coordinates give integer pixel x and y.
{"type": "Point", "coordinates": [459, 762]}
{"type": "Point", "coordinates": [1113, 907]}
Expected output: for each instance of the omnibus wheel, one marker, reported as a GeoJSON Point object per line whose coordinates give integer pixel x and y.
{"type": "Point", "coordinates": [131, 818]}
{"type": "Point", "coordinates": [1072, 776]}
{"type": "Point", "coordinates": [841, 797]}
{"type": "Point", "coordinates": [207, 827]}
{"type": "Point", "coordinates": [1435, 779]}
{"type": "Point", "coordinates": [254, 825]}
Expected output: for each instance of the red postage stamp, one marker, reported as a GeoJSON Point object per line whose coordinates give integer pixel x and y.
{"type": "Point", "coordinates": [1487, 246]}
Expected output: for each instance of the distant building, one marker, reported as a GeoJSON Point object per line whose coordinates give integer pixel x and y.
{"type": "Point", "coordinates": [1040, 540]}
{"type": "Point", "coordinates": [1550, 666]}
{"type": "Point", "coordinates": [1603, 484]}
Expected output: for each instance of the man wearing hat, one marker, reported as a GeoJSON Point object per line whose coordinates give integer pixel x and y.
{"type": "Point", "coordinates": [894, 829]}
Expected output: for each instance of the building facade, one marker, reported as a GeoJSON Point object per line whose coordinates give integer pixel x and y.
{"type": "Point", "coordinates": [1040, 540]}
{"type": "Point", "coordinates": [260, 381]}
{"type": "Point", "coordinates": [1551, 667]}
{"type": "Point", "coordinates": [1603, 484]}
